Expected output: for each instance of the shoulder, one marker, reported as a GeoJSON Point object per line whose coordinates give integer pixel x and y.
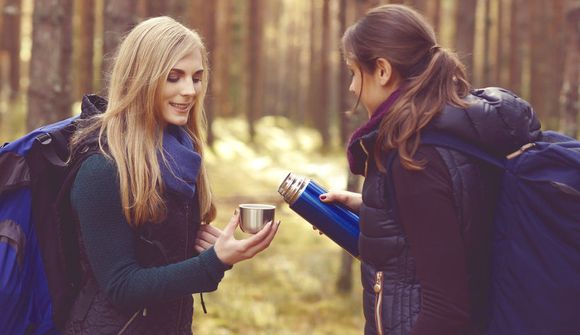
{"type": "Point", "coordinates": [495, 119]}
{"type": "Point", "coordinates": [96, 171]}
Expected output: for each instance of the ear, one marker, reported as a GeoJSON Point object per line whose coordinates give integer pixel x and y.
{"type": "Point", "coordinates": [384, 71]}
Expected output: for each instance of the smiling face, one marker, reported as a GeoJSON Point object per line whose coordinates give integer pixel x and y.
{"type": "Point", "coordinates": [182, 86]}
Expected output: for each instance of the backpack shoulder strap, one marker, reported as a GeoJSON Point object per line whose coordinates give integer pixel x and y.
{"type": "Point", "coordinates": [452, 142]}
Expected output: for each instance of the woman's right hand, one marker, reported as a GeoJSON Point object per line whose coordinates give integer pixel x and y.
{"type": "Point", "coordinates": [349, 199]}
{"type": "Point", "coordinates": [231, 251]}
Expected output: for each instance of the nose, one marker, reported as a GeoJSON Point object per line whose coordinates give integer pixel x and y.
{"type": "Point", "coordinates": [188, 88]}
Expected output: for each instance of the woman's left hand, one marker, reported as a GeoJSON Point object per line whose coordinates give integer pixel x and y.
{"type": "Point", "coordinates": [206, 237]}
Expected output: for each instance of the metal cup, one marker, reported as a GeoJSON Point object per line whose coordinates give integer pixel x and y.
{"type": "Point", "coordinates": [253, 217]}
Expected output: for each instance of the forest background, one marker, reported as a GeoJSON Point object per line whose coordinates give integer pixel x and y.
{"type": "Point", "coordinates": [278, 103]}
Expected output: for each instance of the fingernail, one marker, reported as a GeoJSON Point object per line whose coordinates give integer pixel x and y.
{"type": "Point", "coordinates": [323, 197]}
{"type": "Point", "coordinates": [235, 211]}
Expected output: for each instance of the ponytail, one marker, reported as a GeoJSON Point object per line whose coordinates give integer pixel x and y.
{"type": "Point", "coordinates": [443, 80]}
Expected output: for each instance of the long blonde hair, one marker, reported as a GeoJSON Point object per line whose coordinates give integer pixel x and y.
{"type": "Point", "coordinates": [131, 126]}
{"type": "Point", "coordinates": [431, 75]}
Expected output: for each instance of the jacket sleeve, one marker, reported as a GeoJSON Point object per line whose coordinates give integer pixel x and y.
{"type": "Point", "coordinates": [110, 245]}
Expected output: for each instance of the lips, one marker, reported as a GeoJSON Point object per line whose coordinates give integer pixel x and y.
{"type": "Point", "coordinates": [181, 107]}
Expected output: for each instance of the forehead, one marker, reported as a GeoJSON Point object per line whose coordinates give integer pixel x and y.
{"type": "Point", "coordinates": [192, 61]}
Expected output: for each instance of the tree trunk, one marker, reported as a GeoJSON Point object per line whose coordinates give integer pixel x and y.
{"type": "Point", "coordinates": [119, 19]}
{"type": "Point", "coordinates": [539, 56]}
{"type": "Point", "coordinates": [255, 103]}
{"type": "Point", "coordinates": [221, 87]}
{"type": "Point", "coordinates": [518, 27]}
{"type": "Point", "coordinates": [569, 94]}
{"type": "Point", "coordinates": [487, 26]}
{"type": "Point", "coordinates": [156, 7]}
{"type": "Point", "coordinates": [202, 15]}
{"type": "Point", "coordinates": [322, 115]}
{"type": "Point", "coordinates": [465, 32]}
{"type": "Point", "coordinates": [11, 14]}
{"type": "Point", "coordinates": [49, 92]}
{"type": "Point", "coordinates": [83, 76]}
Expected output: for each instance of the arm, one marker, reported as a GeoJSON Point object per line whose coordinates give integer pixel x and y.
{"type": "Point", "coordinates": [427, 214]}
{"type": "Point", "coordinates": [110, 245]}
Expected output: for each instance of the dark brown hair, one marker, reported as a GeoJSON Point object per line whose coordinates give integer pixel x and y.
{"type": "Point", "coordinates": [430, 75]}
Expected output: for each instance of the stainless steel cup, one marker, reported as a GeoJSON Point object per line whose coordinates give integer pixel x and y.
{"type": "Point", "coordinates": [253, 217]}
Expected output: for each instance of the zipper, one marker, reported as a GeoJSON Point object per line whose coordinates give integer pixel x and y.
{"type": "Point", "coordinates": [184, 257]}
{"type": "Point", "coordinates": [130, 321]}
{"type": "Point", "coordinates": [366, 153]}
{"type": "Point", "coordinates": [378, 288]}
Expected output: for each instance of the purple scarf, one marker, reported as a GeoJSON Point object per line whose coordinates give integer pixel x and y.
{"type": "Point", "coordinates": [184, 163]}
{"type": "Point", "coordinates": [369, 126]}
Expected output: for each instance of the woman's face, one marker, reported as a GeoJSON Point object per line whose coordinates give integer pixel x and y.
{"type": "Point", "coordinates": [373, 91]}
{"type": "Point", "coordinates": [181, 88]}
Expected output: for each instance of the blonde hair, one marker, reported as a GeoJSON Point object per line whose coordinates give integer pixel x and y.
{"type": "Point", "coordinates": [431, 76]}
{"type": "Point", "coordinates": [132, 127]}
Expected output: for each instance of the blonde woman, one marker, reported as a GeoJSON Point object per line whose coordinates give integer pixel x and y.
{"type": "Point", "coordinates": [143, 200]}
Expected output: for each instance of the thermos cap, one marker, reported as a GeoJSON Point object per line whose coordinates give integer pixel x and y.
{"type": "Point", "coordinates": [292, 187]}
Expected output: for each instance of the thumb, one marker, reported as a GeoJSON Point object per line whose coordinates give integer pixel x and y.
{"type": "Point", "coordinates": [233, 224]}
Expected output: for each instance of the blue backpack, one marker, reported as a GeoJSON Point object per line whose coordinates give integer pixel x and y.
{"type": "Point", "coordinates": [40, 272]}
{"type": "Point", "coordinates": [535, 268]}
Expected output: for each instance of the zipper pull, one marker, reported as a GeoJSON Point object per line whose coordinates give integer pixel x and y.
{"type": "Point", "coordinates": [378, 282]}
{"type": "Point", "coordinates": [144, 311]}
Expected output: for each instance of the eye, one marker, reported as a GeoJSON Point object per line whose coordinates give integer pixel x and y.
{"type": "Point", "coordinates": [196, 80]}
{"type": "Point", "coordinates": [173, 78]}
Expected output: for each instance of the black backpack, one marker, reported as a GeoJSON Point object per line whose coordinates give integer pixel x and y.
{"type": "Point", "coordinates": [40, 272]}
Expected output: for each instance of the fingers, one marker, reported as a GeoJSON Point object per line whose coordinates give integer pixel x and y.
{"type": "Point", "coordinates": [261, 240]}
{"type": "Point", "coordinates": [233, 224]}
{"type": "Point", "coordinates": [207, 237]}
{"type": "Point", "coordinates": [209, 229]}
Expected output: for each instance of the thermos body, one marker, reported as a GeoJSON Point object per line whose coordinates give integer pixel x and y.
{"type": "Point", "coordinates": [335, 221]}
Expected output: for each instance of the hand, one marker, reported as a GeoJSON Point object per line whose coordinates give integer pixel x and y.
{"type": "Point", "coordinates": [206, 237]}
{"type": "Point", "coordinates": [231, 251]}
{"type": "Point", "coordinates": [351, 200]}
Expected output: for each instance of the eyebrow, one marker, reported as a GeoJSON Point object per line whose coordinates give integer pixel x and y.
{"type": "Point", "coordinates": [180, 71]}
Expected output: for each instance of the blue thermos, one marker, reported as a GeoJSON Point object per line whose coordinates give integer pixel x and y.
{"type": "Point", "coordinates": [334, 220]}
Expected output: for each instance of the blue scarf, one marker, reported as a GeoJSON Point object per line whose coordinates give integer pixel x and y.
{"type": "Point", "coordinates": [183, 162]}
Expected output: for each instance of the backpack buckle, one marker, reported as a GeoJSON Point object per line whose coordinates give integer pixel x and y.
{"type": "Point", "coordinates": [44, 138]}
{"type": "Point", "coordinates": [520, 150]}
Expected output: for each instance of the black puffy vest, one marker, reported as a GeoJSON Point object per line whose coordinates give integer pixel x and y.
{"type": "Point", "coordinates": [497, 121]}
{"type": "Point", "coordinates": [167, 242]}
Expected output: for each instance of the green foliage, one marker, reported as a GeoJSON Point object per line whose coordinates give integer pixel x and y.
{"type": "Point", "coordinates": [290, 287]}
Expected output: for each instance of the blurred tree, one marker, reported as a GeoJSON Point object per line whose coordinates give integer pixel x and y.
{"type": "Point", "coordinates": [486, 79]}
{"type": "Point", "coordinates": [11, 14]}
{"type": "Point", "coordinates": [344, 282]}
{"type": "Point", "coordinates": [83, 49]}
{"type": "Point", "coordinates": [540, 65]}
{"type": "Point", "coordinates": [504, 40]}
{"type": "Point", "coordinates": [569, 94]}
{"type": "Point", "coordinates": [555, 51]}
{"type": "Point", "coordinates": [465, 32]}
{"type": "Point", "coordinates": [202, 16]}
{"type": "Point", "coordinates": [322, 113]}
{"type": "Point", "coordinates": [221, 66]}
{"type": "Point", "coordinates": [49, 97]}
{"type": "Point", "coordinates": [518, 27]}
{"type": "Point", "coordinates": [315, 75]}
{"type": "Point", "coordinates": [119, 18]}
{"type": "Point", "coordinates": [157, 8]}
{"type": "Point", "coordinates": [255, 66]}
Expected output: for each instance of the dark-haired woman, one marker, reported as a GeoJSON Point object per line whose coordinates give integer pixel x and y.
{"type": "Point", "coordinates": [425, 220]}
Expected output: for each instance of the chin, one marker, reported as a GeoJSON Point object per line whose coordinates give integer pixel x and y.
{"type": "Point", "coordinates": [178, 122]}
